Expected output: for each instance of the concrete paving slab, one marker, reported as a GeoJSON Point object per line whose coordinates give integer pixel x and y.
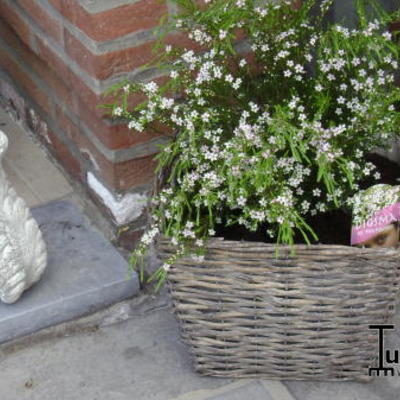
{"type": "Point", "coordinates": [85, 273]}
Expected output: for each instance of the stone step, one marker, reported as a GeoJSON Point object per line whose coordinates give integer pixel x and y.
{"type": "Point", "coordinates": [85, 273]}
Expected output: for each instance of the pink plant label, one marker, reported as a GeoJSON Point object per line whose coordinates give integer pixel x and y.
{"type": "Point", "coordinates": [374, 225]}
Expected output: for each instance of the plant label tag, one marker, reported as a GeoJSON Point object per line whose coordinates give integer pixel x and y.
{"type": "Point", "coordinates": [381, 230]}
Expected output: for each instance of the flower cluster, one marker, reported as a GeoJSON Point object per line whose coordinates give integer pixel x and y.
{"type": "Point", "coordinates": [368, 202]}
{"type": "Point", "coordinates": [272, 128]}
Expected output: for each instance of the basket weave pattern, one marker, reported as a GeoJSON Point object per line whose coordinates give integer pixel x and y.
{"type": "Point", "coordinates": [247, 312]}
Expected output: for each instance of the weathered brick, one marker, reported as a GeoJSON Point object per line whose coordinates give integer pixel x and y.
{"type": "Point", "coordinates": [78, 85]}
{"type": "Point", "coordinates": [86, 148]}
{"type": "Point", "coordinates": [60, 150]}
{"type": "Point", "coordinates": [53, 60]}
{"type": "Point", "coordinates": [113, 136]}
{"type": "Point", "coordinates": [9, 35]}
{"type": "Point", "coordinates": [25, 81]}
{"type": "Point", "coordinates": [128, 239]}
{"type": "Point", "coordinates": [103, 66]}
{"type": "Point", "coordinates": [69, 127]}
{"type": "Point", "coordinates": [113, 23]}
{"type": "Point", "coordinates": [119, 176]}
{"type": "Point", "coordinates": [38, 65]}
{"type": "Point", "coordinates": [14, 20]}
{"type": "Point", "coordinates": [15, 102]}
{"type": "Point", "coordinates": [134, 172]}
{"type": "Point", "coordinates": [75, 83]}
{"type": "Point", "coordinates": [48, 24]}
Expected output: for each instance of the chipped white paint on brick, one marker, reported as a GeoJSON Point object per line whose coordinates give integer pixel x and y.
{"type": "Point", "coordinates": [125, 208]}
{"type": "Point", "coordinates": [23, 255]}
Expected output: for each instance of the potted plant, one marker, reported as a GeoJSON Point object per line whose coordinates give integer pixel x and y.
{"type": "Point", "coordinates": [272, 118]}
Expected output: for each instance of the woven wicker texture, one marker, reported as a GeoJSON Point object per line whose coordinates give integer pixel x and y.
{"type": "Point", "coordinates": [247, 312]}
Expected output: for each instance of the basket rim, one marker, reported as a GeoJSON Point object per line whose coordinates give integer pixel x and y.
{"type": "Point", "coordinates": [242, 245]}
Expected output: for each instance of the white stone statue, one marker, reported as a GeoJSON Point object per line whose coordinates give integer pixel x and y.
{"type": "Point", "coordinates": [23, 255]}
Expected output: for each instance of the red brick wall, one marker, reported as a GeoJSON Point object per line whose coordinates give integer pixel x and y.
{"type": "Point", "coordinates": [59, 56]}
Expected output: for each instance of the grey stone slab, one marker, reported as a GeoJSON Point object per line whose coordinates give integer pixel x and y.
{"type": "Point", "coordinates": [84, 273]}
{"type": "Point", "coordinates": [252, 391]}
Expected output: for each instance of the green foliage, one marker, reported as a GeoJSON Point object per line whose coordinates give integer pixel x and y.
{"type": "Point", "coordinates": [268, 136]}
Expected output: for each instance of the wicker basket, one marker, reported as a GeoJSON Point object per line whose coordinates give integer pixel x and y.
{"type": "Point", "coordinates": [247, 313]}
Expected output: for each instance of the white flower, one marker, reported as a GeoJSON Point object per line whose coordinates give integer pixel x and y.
{"type": "Point", "coordinates": [150, 87]}
{"type": "Point", "coordinates": [282, 54]}
{"type": "Point", "coordinates": [205, 117]}
{"type": "Point", "coordinates": [166, 103]}
{"type": "Point", "coordinates": [299, 69]}
{"type": "Point", "coordinates": [222, 34]}
{"type": "Point", "coordinates": [316, 192]}
{"type": "Point", "coordinates": [166, 267]}
{"type": "Point", "coordinates": [237, 83]}
{"type": "Point", "coordinates": [302, 117]}
{"type": "Point", "coordinates": [211, 232]}
{"type": "Point", "coordinates": [241, 201]}
{"type": "Point", "coordinates": [118, 111]}
{"type": "Point", "coordinates": [135, 125]}
{"type": "Point", "coordinates": [217, 72]}
{"type": "Point", "coordinates": [362, 72]}
{"type": "Point", "coordinates": [287, 73]}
